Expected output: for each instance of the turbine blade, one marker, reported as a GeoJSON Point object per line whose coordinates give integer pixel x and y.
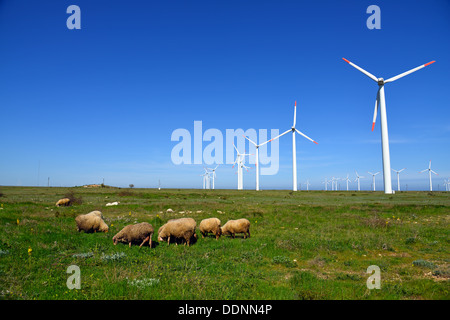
{"type": "Point", "coordinates": [434, 172]}
{"type": "Point", "coordinates": [423, 170]}
{"type": "Point", "coordinates": [295, 114]}
{"type": "Point", "coordinates": [305, 136]}
{"type": "Point", "coordinates": [275, 137]}
{"type": "Point", "coordinates": [371, 76]}
{"type": "Point", "coordinates": [249, 140]}
{"type": "Point", "coordinates": [408, 72]}
{"type": "Point", "coordinates": [235, 148]}
{"type": "Point", "coordinates": [376, 110]}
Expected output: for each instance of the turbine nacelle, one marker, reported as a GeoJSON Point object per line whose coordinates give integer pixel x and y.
{"type": "Point", "coordinates": [380, 81]}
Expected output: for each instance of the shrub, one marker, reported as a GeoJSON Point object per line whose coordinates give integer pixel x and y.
{"type": "Point", "coordinates": [73, 198]}
{"type": "Point", "coordinates": [284, 261]}
{"type": "Point", "coordinates": [424, 263]}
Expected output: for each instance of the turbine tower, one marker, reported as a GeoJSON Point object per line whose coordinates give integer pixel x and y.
{"type": "Point", "coordinates": [398, 177]}
{"type": "Point", "coordinates": [373, 178]}
{"type": "Point", "coordinates": [326, 182]}
{"type": "Point", "coordinates": [429, 173]}
{"type": "Point", "coordinates": [381, 103]}
{"type": "Point", "coordinates": [357, 179]}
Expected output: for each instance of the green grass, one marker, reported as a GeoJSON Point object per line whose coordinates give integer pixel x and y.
{"type": "Point", "coordinates": [303, 245]}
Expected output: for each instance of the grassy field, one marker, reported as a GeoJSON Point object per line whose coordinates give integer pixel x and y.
{"type": "Point", "coordinates": [303, 245]}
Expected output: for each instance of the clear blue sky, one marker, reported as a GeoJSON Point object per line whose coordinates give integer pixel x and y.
{"type": "Point", "coordinates": [102, 102]}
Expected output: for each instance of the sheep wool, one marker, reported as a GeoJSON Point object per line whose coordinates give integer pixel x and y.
{"type": "Point", "coordinates": [91, 222]}
{"type": "Point", "coordinates": [140, 232]}
{"type": "Point", "coordinates": [63, 202]}
{"type": "Point", "coordinates": [237, 226]}
{"type": "Point", "coordinates": [183, 228]}
{"type": "Point", "coordinates": [211, 225]}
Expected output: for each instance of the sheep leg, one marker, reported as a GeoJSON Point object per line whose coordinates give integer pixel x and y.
{"type": "Point", "coordinates": [129, 244]}
{"type": "Point", "coordinates": [145, 240]}
{"type": "Point", "coordinates": [150, 242]}
{"type": "Point", "coordinates": [248, 231]}
{"type": "Point", "coordinates": [168, 241]}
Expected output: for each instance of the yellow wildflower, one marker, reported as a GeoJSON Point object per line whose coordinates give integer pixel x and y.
{"type": "Point", "coordinates": [18, 221]}
{"type": "Point", "coordinates": [29, 250]}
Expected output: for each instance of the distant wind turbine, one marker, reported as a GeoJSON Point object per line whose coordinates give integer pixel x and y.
{"type": "Point", "coordinates": [326, 182]}
{"type": "Point", "coordinates": [347, 180]}
{"type": "Point", "coordinates": [429, 173]}
{"type": "Point", "coordinates": [257, 157]}
{"type": "Point", "coordinates": [398, 177]}
{"type": "Point", "coordinates": [373, 178]}
{"type": "Point", "coordinates": [357, 179]}
{"type": "Point", "coordinates": [381, 104]}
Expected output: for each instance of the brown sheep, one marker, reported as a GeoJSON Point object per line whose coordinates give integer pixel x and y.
{"type": "Point", "coordinates": [63, 202]}
{"type": "Point", "coordinates": [236, 226]}
{"type": "Point", "coordinates": [132, 233]}
{"type": "Point", "coordinates": [91, 222]}
{"type": "Point", "coordinates": [210, 225]}
{"type": "Point", "coordinates": [183, 228]}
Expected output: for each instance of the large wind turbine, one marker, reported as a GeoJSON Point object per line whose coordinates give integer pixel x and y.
{"type": "Point", "coordinates": [398, 177]}
{"type": "Point", "coordinates": [429, 172]}
{"type": "Point", "coordinates": [357, 179]}
{"type": "Point", "coordinates": [381, 103]}
{"type": "Point", "coordinates": [373, 178]}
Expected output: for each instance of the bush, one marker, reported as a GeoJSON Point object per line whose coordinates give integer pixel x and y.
{"type": "Point", "coordinates": [424, 263]}
{"type": "Point", "coordinates": [73, 198]}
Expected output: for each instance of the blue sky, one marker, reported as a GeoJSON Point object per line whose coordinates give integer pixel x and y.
{"type": "Point", "coordinates": [102, 102]}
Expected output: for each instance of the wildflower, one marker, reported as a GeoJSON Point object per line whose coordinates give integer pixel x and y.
{"type": "Point", "coordinates": [29, 250]}
{"type": "Point", "coordinates": [112, 224]}
{"type": "Point", "coordinates": [18, 221]}
{"type": "Point", "coordinates": [129, 213]}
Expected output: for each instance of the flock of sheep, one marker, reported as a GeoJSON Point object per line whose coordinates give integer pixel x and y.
{"type": "Point", "coordinates": [182, 229]}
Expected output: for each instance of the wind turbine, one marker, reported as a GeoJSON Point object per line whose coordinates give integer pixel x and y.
{"type": "Point", "coordinates": [429, 173]}
{"type": "Point", "coordinates": [257, 157]}
{"type": "Point", "coordinates": [294, 149]}
{"type": "Point", "coordinates": [373, 178]}
{"type": "Point", "coordinates": [213, 175]}
{"type": "Point", "coordinates": [205, 177]}
{"type": "Point", "coordinates": [326, 182]}
{"type": "Point", "coordinates": [398, 177]}
{"type": "Point", "coordinates": [357, 179]}
{"type": "Point", "coordinates": [381, 103]}
{"type": "Point", "coordinates": [347, 180]}
{"type": "Point", "coordinates": [307, 185]}
{"type": "Point", "coordinates": [239, 161]}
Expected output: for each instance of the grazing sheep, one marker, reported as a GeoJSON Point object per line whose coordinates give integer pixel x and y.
{"type": "Point", "coordinates": [63, 202]}
{"type": "Point", "coordinates": [113, 203]}
{"type": "Point", "coordinates": [237, 226]}
{"type": "Point", "coordinates": [183, 228]}
{"type": "Point", "coordinates": [210, 225]}
{"type": "Point", "coordinates": [91, 222]}
{"type": "Point", "coordinates": [136, 232]}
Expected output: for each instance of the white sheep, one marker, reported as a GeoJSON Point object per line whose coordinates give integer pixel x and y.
{"type": "Point", "coordinates": [135, 233]}
{"type": "Point", "coordinates": [91, 222]}
{"type": "Point", "coordinates": [210, 225]}
{"type": "Point", "coordinates": [183, 228]}
{"type": "Point", "coordinates": [236, 226]}
{"type": "Point", "coordinates": [63, 202]}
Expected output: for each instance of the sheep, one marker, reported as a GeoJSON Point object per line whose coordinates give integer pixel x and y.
{"type": "Point", "coordinates": [236, 226]}
{"type": "Point", "coordinates": [91, 222]}
{"type": "Point", "coordinates": [210, 225]}
{"type": "Point", "coordinates": [63, 202]}
{"type": "Point", "coordinates": [132, 233]}
{"type": "Point", "coordinates": [178, 228]}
